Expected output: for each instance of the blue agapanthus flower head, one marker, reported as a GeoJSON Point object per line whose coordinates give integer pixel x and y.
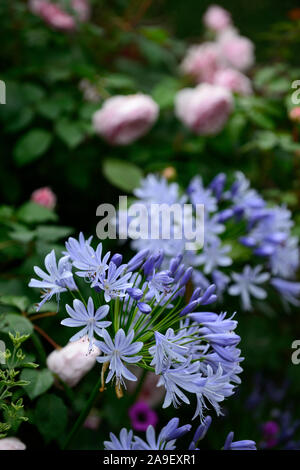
{"type": "Point", "coordinates": [247, 241]}
{"type": "Point", "coordinates": [142, 314]}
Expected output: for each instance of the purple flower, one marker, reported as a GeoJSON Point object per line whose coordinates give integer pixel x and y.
{"type": "Point", "coordinates": [142, 416]}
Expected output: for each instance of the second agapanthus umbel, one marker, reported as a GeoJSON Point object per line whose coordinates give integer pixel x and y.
{"type": "Point", "coordinates": [138, 314]}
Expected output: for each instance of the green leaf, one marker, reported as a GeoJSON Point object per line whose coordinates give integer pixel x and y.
{"type": "Point", "coordinates": [261, 119]}
{"type": "Point", "coordinates": [122, 174]}
{"type": "Point", "coordinates": [118, 81]}
{"type": "Point", "coordinates": [32, 146]}
{"type": "Point", "coordinates": [52, 233]}
{"type": "Point", "coordinates": [31, 212]}
{"type": "Point", "coordinates": [23, 118]}
{"type": "Point", "coordinates": [32, 92]}
{"type": "Point", "coordinates": [266, 140]}
{"type": "Point", "coordinates": [39, 381]}
{"type": "Point", "coordinates": [50, 417]}
{"type": "Point", "coordinates": [23, 236]}
{"type": "Point", "coordinates": [164, 93]}
{"type": "Point", "coordinates": [14, 323]}
{"type": "Point", "coordinates": [21, 302]}
{"type": "Point", "coordinates": [70, 132]}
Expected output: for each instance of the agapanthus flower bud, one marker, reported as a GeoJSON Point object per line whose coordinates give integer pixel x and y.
{"type": "Point", "coordinates": [186, 277]}
{"type": "Point", "coordinates": [175, 263]}
{"type": "Point", "coordinates": [189, 308]}
{"type": "Point", "coordinates": [217, 184]}
{"type": "Point", "coordinates": [149, 265]}
{"type": "Point", "coordinates": [144, 308]}
{"type": "Point", "coordinates": [208, 297]}
{"type": "Point", "coordinates": [135, 293]}
{"type": "Point", "coordinates": [73, 361]}
{"type": "Point", "coordinates": [123, 119]}
{"type": "Point", "coordinates": [11, 443]}
{"type": "Point", "coordinates": [44, 197]}
{"type": "Point", "coordinates": [202, 429]}
{"type": "Point", "coordinates": [238, 445]}
{"type": "Point", "coordinates": [204, 109]}
{"type": "Point", "coordinates": [225, 215]}
{"type": "Point", "coordinates": [137, 260]}
{"type": "Point", "coordinates": [117, 259]}
{"type": "Point", "coordinates": [196, 294]}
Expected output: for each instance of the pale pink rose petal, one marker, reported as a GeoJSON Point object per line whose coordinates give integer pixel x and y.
{"type": "Point", "coordinates": [11, 443]}
{"type": "Point", "coordinates": [236, 51]}
{"type": "Point", "coordinates": [234, 81]}
{"type": "Point", "coordinates": [73, 361]}
{"type": "Point", "coordinates": [204, 109]}
{"type": "Point", "coordinates": [216, 18]}
{"type": "Point", "coordinates": [202, 62]}
{"type": "Point", "coordinates": [123, 119]}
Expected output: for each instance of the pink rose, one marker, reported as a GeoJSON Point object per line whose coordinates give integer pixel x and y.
{"type": "Point", "coordinates": [82, 9]}
{"type": "Point", "coordinates": [234, 81]}
{"type": "Point", "coordinates": [54, 15]}
{"type": "Point", "coordinates": [44, 197]}
{"type": "Point", "coordinates": [202, 62]}
{"type": "Point", "coordinates": [123, 119]}
{"type": "Point", "coordinates": [236, 51]}
{"type": "Point", "coordinates": [73, 361]}
{"type": "Point", "coordinates": [216, 18]}
{"type": "Point", "coordinates": [204, 109]}
{"type": "Point", "coordinates": [11, 443]}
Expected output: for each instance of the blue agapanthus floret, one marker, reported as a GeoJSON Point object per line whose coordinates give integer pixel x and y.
{"type": "Point", "coordinates": [168, 436]}
{"type": "Point", "coordinates": [85, 316]}
{"type": "Point", "coordinates": [58, 279]}
{"type": "Point", "coordinates": [122, 349]}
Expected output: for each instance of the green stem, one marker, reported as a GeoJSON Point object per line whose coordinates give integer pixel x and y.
{"type": "Point", "coordinates": [83, 414]}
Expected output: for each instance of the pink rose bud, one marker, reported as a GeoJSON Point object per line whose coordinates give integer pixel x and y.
{"type": "Point", "coordinates": [202, 62]}
{"type": "Point", "coordinates": [204, 109]}
{"type": "Point", "coordinates": [294, 114]}
{"type": "Point", "coordinates": [216, 18]}
{"type": "Point", "coordinates": [44, 197]}
{"type": "Point", "coordinates": [234, 81]}
{"type": "Point", "coordinates": [123, 119]}
{"type": "Point", "coordinates": [73, 361]}
{"type": "Point", "coordinates": [236, 51]}
{"type": "Point", "coordinates": [11, 443]}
